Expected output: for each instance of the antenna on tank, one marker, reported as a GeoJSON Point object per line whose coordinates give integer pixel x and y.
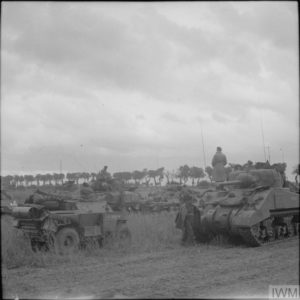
{"type": "Point", "coordinates": [204, 159]}
{"type": "Point", "coordinates": [263, 138]}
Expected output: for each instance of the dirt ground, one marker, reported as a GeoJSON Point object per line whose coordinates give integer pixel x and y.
{"type": "Point", "coordinates": [200, 271]}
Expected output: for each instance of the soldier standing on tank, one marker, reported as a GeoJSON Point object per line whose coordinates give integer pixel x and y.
{"type": "Point", "coordinates": [218, 162]}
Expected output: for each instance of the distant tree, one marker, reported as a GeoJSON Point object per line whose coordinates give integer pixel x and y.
{"type": "Point", "coordinates": [93, 176]}
{"type": "Point", "coordinates": [122, 176]}
{"type": "Point", "coordinates": [7, 181]}
{"type": "Point", "coordinates": [209, 172]}
{"type": "Point", "coordinates": [49, 178]}
{"type": "Point", "coordinates": [76, 177]}
{"type": "Point", "coordinates": [173, 175]}
{"type": "Point", "coordinates": [156, 175]}
{"type": "Point", "coordinates": [38, 178]}
{"type": "Point", "coordinates": [43, 178]}
{"type": "Point", "coordinates": [137, 176]}
{"type": "Point", "coordinates": [184, 173]}
{"type": "Point", "coordinates": [28, 179]}
{"type": "Point", "coordinates": [86, 176]}
{"type": "Point", "coordinates": [16, 180]}
{"type": "Point", "coordinates": [70, 176]}
{"type": "Point", "coordinates": [196, 173]}
{"type": "Point", "coordinates": [55, 177]}
{"type": "Point", "coordinates": [167, 174]}
{"type": "Point", "coordinates": [146, 178]}
{"type": "Point", "coordinates": [21, 179]}
{"type": "Point", "coordinates": [126, 176]}
{"type": "Point", "coordinates": [61, 178]}
{"type": "Point", "coordinates": [178, 176]}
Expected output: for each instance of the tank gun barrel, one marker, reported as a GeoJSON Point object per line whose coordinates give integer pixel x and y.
{"type": "Point", "coordinates": [225, 183]}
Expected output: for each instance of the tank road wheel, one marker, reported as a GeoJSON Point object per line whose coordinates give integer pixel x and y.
{"type": "Point", "coordinates": [268, 231]}
{"type": "Point", "coordinates": [67, 241]}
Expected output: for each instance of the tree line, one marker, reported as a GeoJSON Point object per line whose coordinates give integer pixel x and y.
{"type": "Point", "coordinates": [181, 176]}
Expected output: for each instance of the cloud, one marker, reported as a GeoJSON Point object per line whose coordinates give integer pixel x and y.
{"type": "Point", "coordinates": [171, 117]}
{"type": "Point", "coordinates": [130, 80]}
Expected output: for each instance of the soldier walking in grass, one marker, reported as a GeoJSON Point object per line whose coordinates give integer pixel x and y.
{"type": "Point", "coordinates": [218, 162]}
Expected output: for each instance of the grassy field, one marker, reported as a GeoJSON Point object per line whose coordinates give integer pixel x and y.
{"type": "Point", "coordinates": [154, 265]}
{"type": "Point", "coordinates": [150, 232]}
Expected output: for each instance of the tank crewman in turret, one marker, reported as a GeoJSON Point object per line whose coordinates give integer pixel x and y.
{"type": "Point", "coordinates": [218, 162]}
{"type": "Point", "coordinates": [103, 180]}
{"type": "Point", "coordinates": [104, 175]}
{"type": "Point", "coordinates": [86, 192]}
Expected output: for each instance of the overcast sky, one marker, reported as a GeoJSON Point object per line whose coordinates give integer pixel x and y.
{"type": "Point", "coordinates": [132, 85]}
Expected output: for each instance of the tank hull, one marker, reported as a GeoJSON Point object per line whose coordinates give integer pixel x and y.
{"type": "Point", "coordinates": [245, 209]}
{"type": "Point", "coordinates": [257, 214]}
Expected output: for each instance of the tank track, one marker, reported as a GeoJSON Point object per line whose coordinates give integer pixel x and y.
{"type": "Point", "coordinates": [251, 238]}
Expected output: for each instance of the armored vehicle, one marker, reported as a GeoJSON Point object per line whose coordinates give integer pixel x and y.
{"type": "Point", "coordinates": [51, 221]}
{"type": "Point", "coordinates": [252, 206]}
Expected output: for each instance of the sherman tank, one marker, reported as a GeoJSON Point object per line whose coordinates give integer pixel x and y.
{"type": "Point", "coordinates": [252, 206]}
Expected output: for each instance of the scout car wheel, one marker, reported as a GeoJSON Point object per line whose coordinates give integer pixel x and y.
{"type": "Point", "coordinates": [67, 241]}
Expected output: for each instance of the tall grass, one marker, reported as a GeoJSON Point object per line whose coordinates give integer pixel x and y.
{"type": "Point", "coordinates": [15, 248]}
{"type": "Point", "coordinates": [149, 232]}
{"type": "Point", "coordinates": [152, 232]}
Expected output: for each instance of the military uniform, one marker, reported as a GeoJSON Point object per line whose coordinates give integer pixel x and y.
{"type": "Point", "coordinates": [218, 162]}
{"type": "Point", "coordinates": [185, 219]}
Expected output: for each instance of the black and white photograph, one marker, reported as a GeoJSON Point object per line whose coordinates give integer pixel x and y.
{"type": "Point", "coordinates": [149, 150]}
